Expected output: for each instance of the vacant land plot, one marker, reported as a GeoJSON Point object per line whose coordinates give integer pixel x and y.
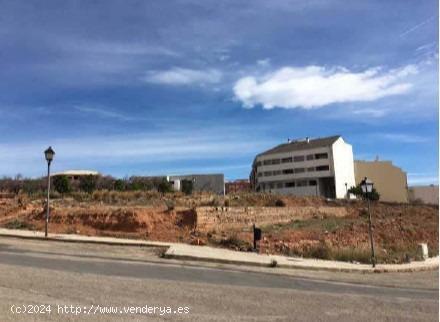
{"type": "Point", "coordinates": [340, 232]}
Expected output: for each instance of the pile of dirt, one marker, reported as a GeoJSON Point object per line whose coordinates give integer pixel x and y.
{"type": "Point", "coordinates": [150, 223]}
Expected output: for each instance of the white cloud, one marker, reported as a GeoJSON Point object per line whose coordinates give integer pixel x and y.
{"type": "Point", "coordinates": [263, 62]}
{"type": "Point", "coordinates": [104, 113]}
{"type": "Point", "coordinates": [113, 151]}
{"type": "Point", "coordinates": [314, 86]}
{"type": "Point", "coordinates": [184, 76]}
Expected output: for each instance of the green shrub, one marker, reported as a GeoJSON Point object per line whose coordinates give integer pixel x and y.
{"type": "Point", "coordinates": [164, 186]}
{"type": "Point", "coordinates": [87, 183]}
{"type": "Point", "coordinates": [187, 187]}
{"type": "Point", "coordinates": [357, 191]}
{"type": "Point", "coordinates": [119, 185]}
{"type": "Point", "coordinates": [61, 184]}
{"type": "Point", "coordinates": [18, 224]}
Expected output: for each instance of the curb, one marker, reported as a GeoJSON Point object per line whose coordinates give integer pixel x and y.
{"type": "Point", "coordinates": [170, 254]}
{"type": "Point", "coordinates": [58, 238]}
{"type": "Point", "coordinates": [305, 267]}
{"type": "Point", "coordinates": [214, 260]}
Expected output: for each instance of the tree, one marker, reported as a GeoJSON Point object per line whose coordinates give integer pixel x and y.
{"type": "Point", "coordinates": [119, 185]}
{"type": "Point", "coordinates": [61, 184]}
{"type": "Point", "coordinates": [357, 191]}
{"type": "Point", "coordinates": [187, 186]}
{"type": "Point", "coordinates": [164, 186]}
{"type": "Point", "coordinates": [87, 183]}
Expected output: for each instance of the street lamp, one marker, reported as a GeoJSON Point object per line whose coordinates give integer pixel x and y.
{"type": "Point", "coordinates": [367, 189]}
{"type": "Point", "coordinates": [49, 153]}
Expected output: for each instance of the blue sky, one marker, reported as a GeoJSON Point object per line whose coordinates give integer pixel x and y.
{"type": "Point", "coordinates": [167, 87]}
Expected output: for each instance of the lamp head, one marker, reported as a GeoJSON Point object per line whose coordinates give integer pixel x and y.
{"type": "Point", "coordinates": [49, 153]}
{"type": "Point", "coordinates": [367, 185]}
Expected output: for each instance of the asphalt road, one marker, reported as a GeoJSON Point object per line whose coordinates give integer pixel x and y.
{"type": "Point", "coordinates": [78, 276]}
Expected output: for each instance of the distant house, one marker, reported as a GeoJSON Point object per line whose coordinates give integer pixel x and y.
{"type": "Point", "coordinates": [237, 186]}
{"type": "Point", "coordinates": [201, 182]}
{"type": "Point", "coordinates": [390, 181]}
{"type": "Point", "coordinates": [75, 175]}
{"type": "Point", "coordinates": [424, 194]}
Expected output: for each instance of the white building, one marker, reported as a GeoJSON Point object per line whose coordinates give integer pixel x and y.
{"type": "Point", "coordinates": [308, 167]}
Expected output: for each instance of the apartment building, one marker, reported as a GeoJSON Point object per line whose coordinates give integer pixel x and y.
{"type": "Point", "coordinates": [306, 167]}
{"type": "Point", "coordinates": [390, 181]}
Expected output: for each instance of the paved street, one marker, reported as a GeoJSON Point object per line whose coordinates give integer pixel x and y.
{"type": "Point", "coordinates": [82, 275]}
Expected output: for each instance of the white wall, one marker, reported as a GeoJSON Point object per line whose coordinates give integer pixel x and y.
{"type": "Point", "coordinates": [343, 167]}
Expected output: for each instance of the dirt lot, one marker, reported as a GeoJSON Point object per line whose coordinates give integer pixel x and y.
{"type": "Point", "coordinates": [397, 228]}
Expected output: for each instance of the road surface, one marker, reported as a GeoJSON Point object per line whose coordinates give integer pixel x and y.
{"type": "Point", "coordinates": [95, 282]}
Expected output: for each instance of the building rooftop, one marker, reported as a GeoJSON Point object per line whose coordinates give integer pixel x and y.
{"type": "Point", "coordinates": [77, 173]}
{"type": "Point", "coordinates": [303, 144]}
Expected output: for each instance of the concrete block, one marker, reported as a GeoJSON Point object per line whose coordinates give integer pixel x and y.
{"type": "Point", "coordinates": [423, 249]}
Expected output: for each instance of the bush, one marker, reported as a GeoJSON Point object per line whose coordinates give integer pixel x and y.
{"type": "Point", "coordinates": [357, 191]}
{"type": "Point", "coordinates": [18, 224]}
{"type": "Point", "coordinates": [164, 186]}
{"type": "Point", "coordinates": [187, 187]}
{"type": "Point", "coordinates": [61, 184]}
{"type": "Point", "coordinates": [119, 185]}
{"type": "Point", "coordinates": [280, 203]}
{"type": "Point", "coordinates": [87, 183]}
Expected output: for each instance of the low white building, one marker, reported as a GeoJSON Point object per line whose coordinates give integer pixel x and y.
{"type": "Point", "coordinates": [75, 175]}
{"type": "Point", "coordinates": [306, 167]}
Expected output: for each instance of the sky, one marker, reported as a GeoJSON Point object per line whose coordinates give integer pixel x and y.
{"type": "Point", "coordinates": [174, 87]}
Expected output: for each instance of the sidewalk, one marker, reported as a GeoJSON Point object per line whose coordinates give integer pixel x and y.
{"type": "Point", "coordinates": [225, 256]}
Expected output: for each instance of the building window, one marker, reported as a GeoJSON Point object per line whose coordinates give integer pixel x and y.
{"type": "Point", "coordinates": [321, 156]}
{"type": "Point", "coordinates": [286, 160]}
{"type": "Point", "coordinates": [271, 185]}
{"type": "Point", "coordinates": [267, 162]}
{"type": "Point", "coordinates": [302, 183]}
{"type": "Point", "coordinates": [310, 157]}
{"type": "Point", "coordinates": [311, 169]}
{"type": "Point", "coordinates": [323, 168]}
{"type": "Point", "coordinates": [290, 184]}
{"type": "Point", "coordinates": [267, 173]}
{"type": "Point", "coordinates": [312, 183]}
{"type": "Point", "coordinates": [287, 171]}
{"type": "Point", "coordinates": [276, 161]}
{"type": "Point", "coordinates": [260, 174]}
{"type": "Point", "coordinates": [298, 158]}
{"type": "Point", "coordinates": [299, 170]}
{"type": "Point", "coordinates": [279, 185]}
{"type": "Point", "coordinates": [277, 172]}
{"type": "Point", "coordinates": [258, 163]}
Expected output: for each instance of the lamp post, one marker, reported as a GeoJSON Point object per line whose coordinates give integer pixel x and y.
{"type": "Point", "coordinates": [346, 190]}
{"type": "Point", "coordinates": [367, 189]}
{"type": "Point", "coordinates": [49, 153]}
